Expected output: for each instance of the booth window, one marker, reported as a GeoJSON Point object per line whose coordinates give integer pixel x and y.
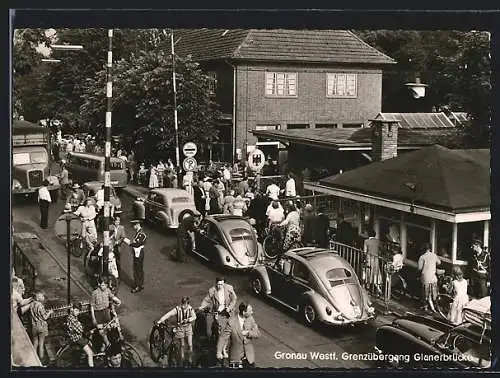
{"type": "Point", "coordinates": [466, 233]}
{"type": "Point", "coordinates": [416, 237]}
{"type": "Point", "coordinates": [444, 236]}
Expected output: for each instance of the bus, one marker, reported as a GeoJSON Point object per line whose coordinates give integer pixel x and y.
{"type": "Point", "coordinates": [84, 167]}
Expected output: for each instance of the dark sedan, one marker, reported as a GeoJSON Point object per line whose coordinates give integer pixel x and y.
{"type": "Point", "coordinates": [423, 342]}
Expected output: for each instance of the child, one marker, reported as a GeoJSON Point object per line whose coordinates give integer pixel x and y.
{"type": "Point", "coordinates": [397, 260]}
{"type": "Point", "coordinates": [460, 296]}
{"type": "Point", "coordinates": [39, 317]}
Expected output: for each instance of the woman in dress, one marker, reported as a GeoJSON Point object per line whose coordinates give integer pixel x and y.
{"type": "Point", "coordinates": [153, 177]}
{"type": "Point", "coordinates": [292, 224]}
{"type": "Point", "coordinates": [460, 297]}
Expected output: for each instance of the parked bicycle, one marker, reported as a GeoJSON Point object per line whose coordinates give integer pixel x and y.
{"type": "Point", "coordinates": [273, 242]}
{"type": "Point", "coordinates": [444, 298]}
{"type": "Point", "coordinates": [72, 356]}
{"type": "Point", "coordinates": [93, 264]}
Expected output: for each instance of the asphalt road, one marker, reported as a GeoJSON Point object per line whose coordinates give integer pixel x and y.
{"type": "Point", "coordinates": [167, 281]}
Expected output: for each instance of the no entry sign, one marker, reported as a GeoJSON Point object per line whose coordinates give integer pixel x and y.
{"type": "Point", "coordinates": [189, 149]}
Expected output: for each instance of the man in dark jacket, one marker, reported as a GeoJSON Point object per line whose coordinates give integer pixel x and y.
{"type": "Point", "coordinates": [257, 210]}
{"type": "Point", "coordinates": [321, 231]}
{"type": "Point", "coordinates": [309, 225]}
{"type": "Point", "coordinates": [344, 230]}
{"type": "Point", "coordinates": [199, 198]}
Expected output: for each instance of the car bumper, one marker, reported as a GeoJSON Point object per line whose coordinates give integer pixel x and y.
{"type": "Point", "coordinates": [347, 322]}
{"type": "Point", "coordinates": [240, 268]}
{"type": "Point", "coordinates": [33, 190]}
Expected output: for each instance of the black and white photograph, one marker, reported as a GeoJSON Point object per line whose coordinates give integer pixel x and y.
{"type": "Point", "coordinates": [250, 198]}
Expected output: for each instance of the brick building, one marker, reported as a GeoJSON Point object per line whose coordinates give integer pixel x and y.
{"type": "Point", "coordinates": [286, 79]}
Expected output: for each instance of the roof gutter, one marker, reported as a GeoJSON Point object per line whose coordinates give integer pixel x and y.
{"type": "Point", "coordinates": [234, 110]}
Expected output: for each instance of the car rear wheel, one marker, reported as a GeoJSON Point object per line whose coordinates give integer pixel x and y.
{"type": "Point", "coordinates": [185, 213]}
{"type": "Point", "coordinates": [256, 285]}
{"type": "Point", "coordinates": [309, 314]}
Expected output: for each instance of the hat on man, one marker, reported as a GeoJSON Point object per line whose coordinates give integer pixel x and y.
{"type": "Point", "coordinates": [207, 179]}
{"type": "Point", "coordinates": [136, 221]}
{"type": "Point", "coordinates": [75, 186]}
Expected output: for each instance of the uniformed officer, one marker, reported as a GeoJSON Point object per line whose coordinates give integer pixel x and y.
{"type": "Point", "coordinates": [137, 244]}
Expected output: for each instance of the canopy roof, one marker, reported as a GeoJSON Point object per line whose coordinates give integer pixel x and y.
{"type": "Point", "coordinates": [437, 177]}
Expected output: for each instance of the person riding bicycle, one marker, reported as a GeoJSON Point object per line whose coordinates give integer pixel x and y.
{"type": "Point", "coordinates": [275, 215]}
{"type": "Point", "coordinates": [220, 302]}
{"type": "Point", "coordinates": [183, 331]}
{"type": "Point", "coordinates": [74, 332]}
{"type": "Point", "coordinates": [100, 307]}
{"type": "Point", "coordinates": [292, 223]}
{"type": "Point", "coordinates": [114, 357]}
{"type": "Point", "coordinates": [88, 214]}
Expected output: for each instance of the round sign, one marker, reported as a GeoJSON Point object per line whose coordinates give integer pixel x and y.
{"type": "Point", "coordinates": [189, 164]}
{"type": "Point", "coordinates": [189, 149]}
{"type": "Point", "coordinates": [256, 160]}
{"type": "Point", "coordinates": [60, 226]}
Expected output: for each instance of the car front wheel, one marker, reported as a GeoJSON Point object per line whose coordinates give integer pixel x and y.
{"type": "Point", "coordinates": [309, 314]}
{"type": "Point", "coordinates": [256, 285]}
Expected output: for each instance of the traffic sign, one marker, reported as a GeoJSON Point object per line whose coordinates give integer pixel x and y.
{"type": "Point", "coordinates": [189, 164]}
{"type": "Point", "coordinates": [189, 149]}
{"type": "Point", "coordinates": [256, 160]}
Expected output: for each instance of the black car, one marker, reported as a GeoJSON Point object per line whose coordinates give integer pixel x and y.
{"type": "Point", "coordinates": [422, 342]}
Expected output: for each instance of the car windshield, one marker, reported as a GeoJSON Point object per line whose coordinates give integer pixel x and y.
{"type": "Point", "coordinates": [240, 234]}
{"type": "Point", "coordinates": [180, 200]}
{"type": "Point", "coordinates": [339, 276]}
{"type": "Point", "coordinates": [116, 164]}
{"type": "Point", "coordinates": [29, 157]}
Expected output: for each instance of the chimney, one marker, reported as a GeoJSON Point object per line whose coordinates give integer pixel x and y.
{"type": "Point", "coordinates": [384, 139]}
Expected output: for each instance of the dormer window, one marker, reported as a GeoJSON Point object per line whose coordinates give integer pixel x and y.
{"type": "Point", "coordinates": [212, 83]}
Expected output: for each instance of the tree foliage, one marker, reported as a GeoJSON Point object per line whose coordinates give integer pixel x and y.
{"type": "Point", "coordinates": [454, 64]}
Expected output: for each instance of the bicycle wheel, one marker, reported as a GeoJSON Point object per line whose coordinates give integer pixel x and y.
{"type": "Point", "coordinates": [270, 247]}
{"type": "Point", "coordinates": [131, 355]}
{"type": "Point", "coordinates": [70, 356]}
{"type": "Point", "coordinates": [156, 343]}
{"type": "Point", "coordinates": [443, 304]}
{"type": "Point", "coordinates": [76, 247]}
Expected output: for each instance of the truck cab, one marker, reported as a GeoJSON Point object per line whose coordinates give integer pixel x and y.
{"type": "Point", "coordinates": [31, 159]}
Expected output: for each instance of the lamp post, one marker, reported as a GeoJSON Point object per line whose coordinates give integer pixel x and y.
{"type": "Point", "coordinates": [63, 231]}
{"type": "Point", "coordinates": [176, 125]}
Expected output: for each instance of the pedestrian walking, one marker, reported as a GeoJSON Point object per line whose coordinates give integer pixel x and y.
{"type": "Point", "coordinates": [64, 181]}
{"type": "Point", "coordinates": [290, 187]}
{"type": "Point", "coordinates": [117, 238]}
{"type": "Point", "coordinates": [44, 201]}
{"type": "Point", "coordinates": [199, 198]}
{"type": "Point", "coordinates": [137, 244]}
{"type": "Point", "coordinates": [321, 231]}
{"type": "Point", "coordinates": [372, 248]}
{"type": "Point", "coordinates": [239, 332]}
{"type": "Point", "coordinates": [153, 177]}
{"type": "Point", "coordinates": [460, 297]}
{"type": "Point", "coordinates": [39, 326]}
{"type": "Point", "coordinates": [427, 266]}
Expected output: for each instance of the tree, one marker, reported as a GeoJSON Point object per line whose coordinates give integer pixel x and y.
{"type": "Point", "coordinates": [143, 106]}
{"type": "Point", "coordinates": [455, 65]}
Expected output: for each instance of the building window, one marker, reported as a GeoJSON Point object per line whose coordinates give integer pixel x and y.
{"type": "Point", "coordinates": [212, 82]}
{"type": "Point", "coordinates": [444, 236]}
{"type": "Point", "coordinates": [341, 85]}
{"type": "Point", "coordinates": [281, 84]}
{"type": "Point", "coordinates": [266, 127]}
{"type": "Point", "coordinates": [294, 126]}
{"type": "Point", "coordinates": [352, 125]}
{"type": "Point", "coordinates": [326, 125]}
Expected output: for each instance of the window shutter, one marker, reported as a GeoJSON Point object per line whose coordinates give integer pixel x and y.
{"type": "Point", "coordinates": [270, 83]}
{"type": "Point", "coordinates": [280, 84]}
{"type": "Point", "coordinates": [351, 85]}
{"type": "Point", "coordinates": [291, 84]}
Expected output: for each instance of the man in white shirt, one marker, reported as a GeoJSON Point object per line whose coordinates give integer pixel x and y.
{"type": "Point", "coordinates": [290, 189]}
{"type": "Point", "coordinates": [44, 201]}
{"type": "Point", "coordinates": [273, 191]}
{"type": "Point", "coordinates": [275, 213]}
{"type": "Point", "coordinates": [88, 214]}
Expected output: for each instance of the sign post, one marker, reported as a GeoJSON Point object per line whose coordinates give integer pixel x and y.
{"type": "Point", "coordinates": [189, 164]}
{"type": "Point", "coordinates": [256, 160]}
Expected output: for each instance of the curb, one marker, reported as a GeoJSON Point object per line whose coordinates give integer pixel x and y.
{"type": "Point", "coordinates": [63, 267]}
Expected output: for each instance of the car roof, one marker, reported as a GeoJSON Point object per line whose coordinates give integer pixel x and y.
{"type": "Point", "coordinates": [317, 257]}
{"type": "Point", "coordinates": [94, 183]}
{"type": "Point", "coordinates": [171, 192]}
{"type": "Point", "coordinates": [229, 222]}
{"type": "Point", "coordinates": [92, 156]}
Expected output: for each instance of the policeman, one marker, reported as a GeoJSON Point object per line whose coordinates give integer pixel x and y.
{"type": "Point", "coordinates": [137, 244]}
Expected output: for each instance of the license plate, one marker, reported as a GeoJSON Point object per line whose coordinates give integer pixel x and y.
{"type": "Point", "coordinates": [114, 182]}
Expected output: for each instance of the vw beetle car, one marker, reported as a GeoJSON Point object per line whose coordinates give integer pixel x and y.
{"type": "Point", "coordinates": [415, 341]}
{"type": "Point", "coordinates": [90, 190]}
{"type": "Point", "coordinates": [316, 283]}
{"type": "Point", "coordinates": [164, 206]}
{"type": "Point", "coordinates": [228, 241]}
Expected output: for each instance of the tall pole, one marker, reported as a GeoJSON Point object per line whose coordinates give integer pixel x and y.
{"type": "Point", "coordinates": [68, 252]}
{"type": "Point", "coordinates": [107, 153]}
{"type": "Point", "coordinates": [177, 158]}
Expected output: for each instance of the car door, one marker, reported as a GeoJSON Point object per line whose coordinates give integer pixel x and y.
{"type": "Point", "coordinates": [297, 283]}
{"type": "Point", "coordinates": [213, 238]}
{"type": "Point", "coordinates": [151, 206]}
{"type": "Point", "coordinates": [278, 276]}
{"type": "Point", "coordinates": [200, 237]}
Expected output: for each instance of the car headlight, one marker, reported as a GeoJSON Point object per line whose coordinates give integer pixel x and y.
{"type": "Point", "coordinates": [370, 310]}
{"type": "Point", "coordinates": [228, 259]}
{"type": "Point", "coordinates": [339, 317]}
{"type": "Point", "coordinates": [16, 184]}
{"type": "Point", "coordinates": [328, 311]}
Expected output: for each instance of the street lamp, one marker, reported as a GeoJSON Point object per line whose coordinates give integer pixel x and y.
{"type": "Point", "coordinates": [63, 230]}
{"type": "Point", "coordinates": [67, 47]}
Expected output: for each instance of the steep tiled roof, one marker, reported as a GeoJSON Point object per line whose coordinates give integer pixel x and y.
{"type": "Point", "coordinates": [361, 138]}
{"type": "Point", "coordinates": [314, 46]}
{"type": "Point", "coordinates": [418, 120]}
{"type": "Point", "coordinates": [456, 180]}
